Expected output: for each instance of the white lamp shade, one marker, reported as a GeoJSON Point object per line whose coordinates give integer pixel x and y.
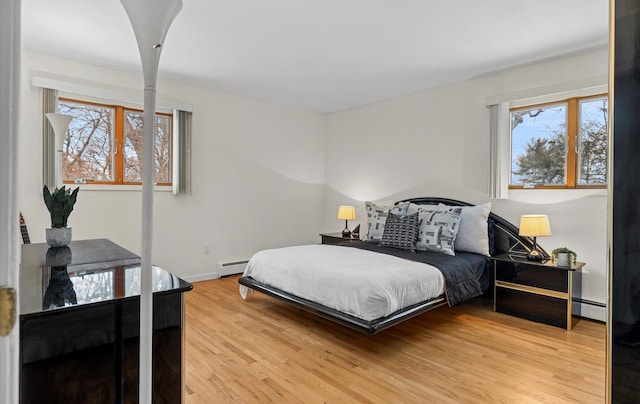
{"type": "Point", "coordinates": [151, 21]}
{"type": "Point", "coordinates": [346, 212]}
{"type": "Point", "coordinates": [60, 124]}
{"type": "Point", "coordinates": [534, 226]}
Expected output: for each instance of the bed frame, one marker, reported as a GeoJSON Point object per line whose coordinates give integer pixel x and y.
{"type": "Point", "coordinates": [506, 240]}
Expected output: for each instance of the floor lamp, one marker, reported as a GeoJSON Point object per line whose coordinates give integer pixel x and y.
{"type": "Point", "coordinates": [151, 20]}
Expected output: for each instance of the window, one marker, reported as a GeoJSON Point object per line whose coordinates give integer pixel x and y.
{"type": "Point", "coordinates": [104, 144]}
{"type": "Point", "coordinates": [560, 145]}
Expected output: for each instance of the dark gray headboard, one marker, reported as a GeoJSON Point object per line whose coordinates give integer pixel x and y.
{"type": "Point", "coordinates": [505, 235]}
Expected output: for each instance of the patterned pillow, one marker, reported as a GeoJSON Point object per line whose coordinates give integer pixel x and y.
{"type": "Point", "coordinates": [401, 232]}
{"type": "Point", "coordinates": [437, 229]}
{"type": "Point", "coordinates": [377, 217]}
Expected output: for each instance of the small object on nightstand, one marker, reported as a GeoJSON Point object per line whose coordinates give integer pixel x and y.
{"type": "Point", "coordinates": [356, 232]}
{"type": "Point", "coordinates": [563, 257]}
{"type": "Point", "coordinates": [337, 238]}
{"type": "Point", "coordinates": [346, 213]}
{"type": "Point", "coordinates": [534, 226]}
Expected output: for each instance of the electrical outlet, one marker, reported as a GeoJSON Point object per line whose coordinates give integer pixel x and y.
{"type": "Point", "coordinates": [207, 250]}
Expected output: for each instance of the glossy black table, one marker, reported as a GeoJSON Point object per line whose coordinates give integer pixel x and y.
{"type": "Point", "coordinates": [79, 325]}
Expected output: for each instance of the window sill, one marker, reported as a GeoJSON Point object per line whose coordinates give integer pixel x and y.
{"type": "Point", "coordinates": [554, 195]}
{"type": "Point", "coordinates": [107, 187]}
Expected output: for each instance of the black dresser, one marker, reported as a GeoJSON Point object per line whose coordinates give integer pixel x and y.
{"type": "Point", "coordinates": [537, 291]}
{"type": "Point", "coordinates": [79, 326]}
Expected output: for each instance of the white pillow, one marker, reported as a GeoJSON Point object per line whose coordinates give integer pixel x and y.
{"type": "Point", "coordinates": [377, 217]}
{"type": "Point", "coordinates": [472, 235]}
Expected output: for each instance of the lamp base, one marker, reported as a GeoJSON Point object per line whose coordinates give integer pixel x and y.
{"type": "Point", "coordinates": [346, 232]}
{"type": "Point", "coordinates": [534, 256]}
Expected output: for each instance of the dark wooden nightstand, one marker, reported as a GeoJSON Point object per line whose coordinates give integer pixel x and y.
{"type": "Point", "coordinates": [336, 238]}
{"type": "Point", "coordinates": [537, 291]}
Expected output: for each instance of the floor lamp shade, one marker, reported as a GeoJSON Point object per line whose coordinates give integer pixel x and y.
{"type": "Point", "coordinates": [150, 20]}
{"type": "Point", "coordinates": [534, 226]}
{"type": "Point", "coordinates": [60, 124]}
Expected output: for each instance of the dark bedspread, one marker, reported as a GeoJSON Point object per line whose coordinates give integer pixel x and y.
{"type": "Point", "coordinates": [461, 272]}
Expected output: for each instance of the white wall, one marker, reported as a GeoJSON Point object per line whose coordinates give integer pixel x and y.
{"type": "Point", "coordinates": [258, 175]}
{"type": "Point", "coordinates": [262, 172]}
{"type": "Point", "coordinates": [436, 143]}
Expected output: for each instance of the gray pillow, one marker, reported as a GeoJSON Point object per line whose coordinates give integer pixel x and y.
{"type": "Point", "coordinates": [377, 217]}
{"type": "Point", "coordinates": [401, 232]}
{"type": "Point", "coordinates": [438, 229]}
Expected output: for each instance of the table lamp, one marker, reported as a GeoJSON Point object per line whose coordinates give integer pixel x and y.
{"type": "Point", "coordinates": [534, 226]}
{"type": "Point", "coordinates": [346, 213]}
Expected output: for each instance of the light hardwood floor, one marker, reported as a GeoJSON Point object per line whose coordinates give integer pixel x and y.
{"type": "Point", "coordinates": [263, 350]}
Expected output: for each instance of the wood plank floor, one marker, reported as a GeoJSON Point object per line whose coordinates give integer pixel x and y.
{"type": "Point", "coordinates": [263, 350]}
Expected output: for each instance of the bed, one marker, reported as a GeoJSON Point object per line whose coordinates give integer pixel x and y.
{"type": "Point", "coordinates": [369, 287]}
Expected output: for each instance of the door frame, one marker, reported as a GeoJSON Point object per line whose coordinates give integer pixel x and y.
{"type": "Point", "coordinates": [9, 232]}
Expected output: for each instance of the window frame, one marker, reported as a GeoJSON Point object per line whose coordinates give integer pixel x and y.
{"type": "Point", "coordinates": [119, 139]}
{"type": "Point", "coordinates": [571, 157]}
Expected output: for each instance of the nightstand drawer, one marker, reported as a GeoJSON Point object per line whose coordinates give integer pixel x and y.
{"type": "Point", "coordinates": [531, 306]}
{"type": "Point", "coordinates": [533, 275]}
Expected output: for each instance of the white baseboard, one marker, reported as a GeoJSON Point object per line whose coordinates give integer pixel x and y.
{"type": "Point", "coordinates": [201, 277]}
{"type": "Point", "coordinates": [592, 311]}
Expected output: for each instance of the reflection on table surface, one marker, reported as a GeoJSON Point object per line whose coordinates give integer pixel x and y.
{"type": "Point", "coordinates": [86, 272]}
{"type": "Point", "coordinates": [64, 287]}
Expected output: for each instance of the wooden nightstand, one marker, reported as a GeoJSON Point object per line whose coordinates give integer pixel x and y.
{"type": "Point", "coordinates": [336, 238]}
{"type": "Point", "coordinates": [537, 291]}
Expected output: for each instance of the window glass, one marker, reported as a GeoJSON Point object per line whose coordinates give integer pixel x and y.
{"type": "Point", "coordinates": [93, 287]}
{"type": "Point", "coordinates": [593, 141]}
{"type": "Point", "coordinates": [88, 144]}
{"type": "Point", "coordinates": [538, 137]}
{"type": "Point", "coordinates": [133, 133]}
{"type": "Point", "coordinates": [104, 144]}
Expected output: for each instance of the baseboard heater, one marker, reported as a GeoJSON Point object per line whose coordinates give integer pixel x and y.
{"type": "Point", "coordinates": [231, 268]}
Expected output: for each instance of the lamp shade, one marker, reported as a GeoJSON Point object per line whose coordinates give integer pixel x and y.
{"type": "Point", "coordinates": [151, 21]}
{"type": "Point", "coordinates": [60, 124]}
{"type": "Point", "coordinates": [534, 226]}
{"type": "Point", "coordinates": [346, 212]}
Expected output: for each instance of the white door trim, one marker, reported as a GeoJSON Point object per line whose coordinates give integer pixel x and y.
{"type": "Point", "coordinates": [9, 232]}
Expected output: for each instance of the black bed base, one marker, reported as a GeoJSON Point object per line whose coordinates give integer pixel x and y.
{"type": "Point", "coordinates": [368, 327]}
{"type": "Point", "coordinates": [506, 239]}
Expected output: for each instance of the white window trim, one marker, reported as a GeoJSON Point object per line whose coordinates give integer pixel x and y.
{"type": "Point", "coordinates": [500, 135]}
{"type": "Point", "coordinates": [557, 92]}
{"type": "Point", "coordinates": [181, 159]}
{"type": "Point", "coordinates": [111, 94]}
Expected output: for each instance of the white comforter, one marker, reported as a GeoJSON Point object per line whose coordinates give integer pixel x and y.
{"type": "Point", "coordinates": [364, 284]}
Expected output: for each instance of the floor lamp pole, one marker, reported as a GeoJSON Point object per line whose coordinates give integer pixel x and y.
{"type": "Point", "coordinates": [150, 20]}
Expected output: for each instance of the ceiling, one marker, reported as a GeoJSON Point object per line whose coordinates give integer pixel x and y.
{"type": "Point", "coordinates": [323, 55]}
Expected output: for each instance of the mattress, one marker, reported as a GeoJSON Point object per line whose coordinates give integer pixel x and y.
{"type": "Point", "coordinates": [365, 284]}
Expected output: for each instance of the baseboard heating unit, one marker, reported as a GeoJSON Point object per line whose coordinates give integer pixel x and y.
{"type": "Point", "coordinates": [231, 268]}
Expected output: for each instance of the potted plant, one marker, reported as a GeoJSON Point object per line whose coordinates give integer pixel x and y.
{"type": "Point", "coordinates": [563, 257]}
{"type": "Point", "coordinates": [60, 204]}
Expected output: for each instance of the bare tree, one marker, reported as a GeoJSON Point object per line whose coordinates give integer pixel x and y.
{"type": "Point", "coordinates": [594, 146]}
{"type": "Point", "coordinates": [88, 143]}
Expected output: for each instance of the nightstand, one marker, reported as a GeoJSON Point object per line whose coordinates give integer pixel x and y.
{"type": "Point", "coordinates": [537, 291]}
{"type": "Point", "coordinates": [336, 238]}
